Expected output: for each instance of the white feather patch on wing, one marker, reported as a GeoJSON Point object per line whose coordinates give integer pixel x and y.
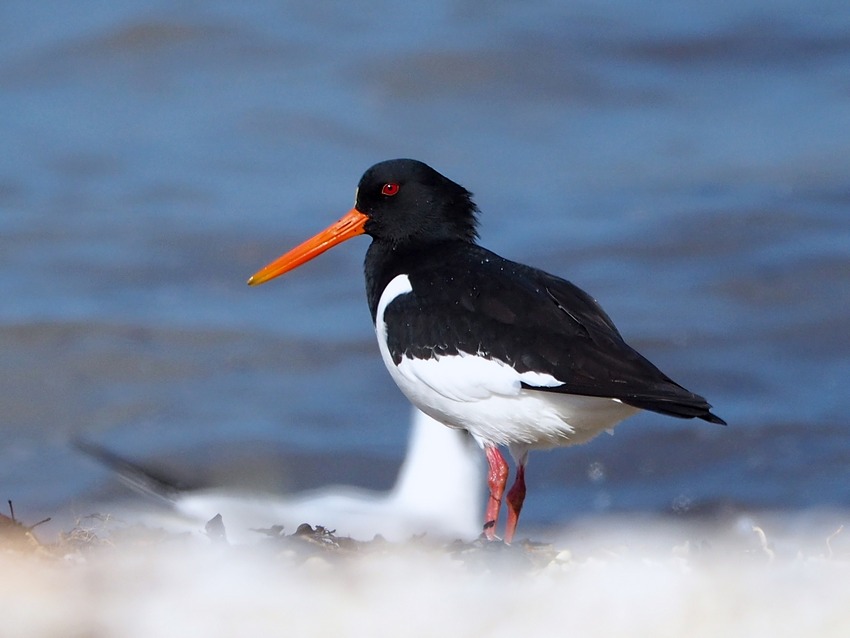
{"type": "Point", "coordinates": [469, 377]}
{"type": "Point", "coordinates": [540, 380]}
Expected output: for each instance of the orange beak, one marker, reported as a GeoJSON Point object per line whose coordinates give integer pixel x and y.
{"type": "Point", "coordinates": [349, 226]}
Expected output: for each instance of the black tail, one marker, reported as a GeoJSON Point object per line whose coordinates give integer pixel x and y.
{"type": "Point", "coordinates": [696, 409]}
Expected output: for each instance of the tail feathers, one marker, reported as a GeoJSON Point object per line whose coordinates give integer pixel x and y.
{"type": "Point", "coordinates": [712, 418]}
{"type": "Point", "coordinates": [698, 409]}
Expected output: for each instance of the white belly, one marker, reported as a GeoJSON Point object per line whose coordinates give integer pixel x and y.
{"type": "Point", "coordinates": [486, 397]}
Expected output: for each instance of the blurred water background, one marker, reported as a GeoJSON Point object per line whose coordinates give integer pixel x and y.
{"type": "Point", "coordinates": [688, 164]}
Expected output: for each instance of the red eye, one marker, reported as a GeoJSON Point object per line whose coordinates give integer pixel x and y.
{"type": "Point", "coordinates": [389, 189]}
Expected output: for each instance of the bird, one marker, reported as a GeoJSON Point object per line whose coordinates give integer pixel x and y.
{"type": "Point", "coordinates": [519, 358]}
{"type": "Point", "coordinates": [411, 508]}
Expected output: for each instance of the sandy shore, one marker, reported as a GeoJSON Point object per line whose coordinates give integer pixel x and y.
{"type": "Point", "coordinates": [772, 575]}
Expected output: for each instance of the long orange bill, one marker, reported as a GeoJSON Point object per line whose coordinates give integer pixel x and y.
{"type": "Point", "coordinates": [350, 225]}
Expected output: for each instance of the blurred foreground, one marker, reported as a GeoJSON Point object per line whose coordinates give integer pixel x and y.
{"type": "Point", "coordinates": [772, 575]}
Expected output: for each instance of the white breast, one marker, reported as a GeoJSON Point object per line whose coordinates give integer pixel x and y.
{"type": "Point", "coordinates": [485, 396]}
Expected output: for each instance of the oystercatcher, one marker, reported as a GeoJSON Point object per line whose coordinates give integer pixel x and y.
{"type": "Point", "coordinates": [516, 356]}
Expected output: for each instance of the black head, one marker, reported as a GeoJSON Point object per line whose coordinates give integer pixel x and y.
{"type": "Point", "coordinates": [399, 203]}
{"type": "Point", "coordinates": [407, 201]}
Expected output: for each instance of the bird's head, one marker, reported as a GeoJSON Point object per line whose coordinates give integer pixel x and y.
{"type": "Point", "coordinates": [401, 202]}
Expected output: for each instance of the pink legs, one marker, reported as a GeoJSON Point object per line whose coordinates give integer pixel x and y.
{"type": "Point", "coordinates": [515, 499]}
{"type": "Point", "coordinates": [497, 478]}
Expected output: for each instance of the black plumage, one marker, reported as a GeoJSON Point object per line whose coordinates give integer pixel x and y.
{"type": "Point", "coordinates": [468, 299]}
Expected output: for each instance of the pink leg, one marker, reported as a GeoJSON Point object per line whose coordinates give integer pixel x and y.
{"type": "Point", "coordinates": [516, 496]}
{"type": "Point", "coordinates": [497, 478]}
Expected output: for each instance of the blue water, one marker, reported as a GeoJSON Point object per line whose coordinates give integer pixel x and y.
{"type": "Point", "coordinates": [688, 165]}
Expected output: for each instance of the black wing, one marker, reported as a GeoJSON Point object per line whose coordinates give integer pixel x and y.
{"type": "Point", "coordinates": [474, 301]}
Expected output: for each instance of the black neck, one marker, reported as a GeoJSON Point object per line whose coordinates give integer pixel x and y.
{"type": "Point", "coordinates": [384, 262]}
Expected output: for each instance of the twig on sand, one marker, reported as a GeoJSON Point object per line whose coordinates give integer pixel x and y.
{"type": "Point", "coordinates": [15, 534]}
